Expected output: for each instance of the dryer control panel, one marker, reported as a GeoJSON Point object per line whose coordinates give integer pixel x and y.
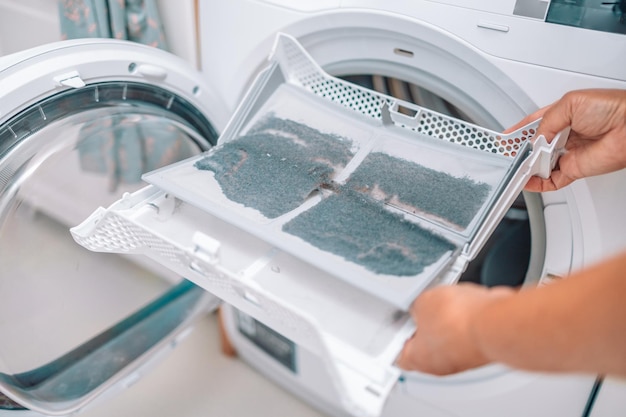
{"type": "Point", "coordinates": [605, 16]}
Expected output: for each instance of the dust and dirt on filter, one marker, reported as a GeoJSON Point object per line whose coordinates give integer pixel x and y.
{"type": "Point", "coordinates": [360, 229]}
{"type": "Point", "coordinates": [418, 190]}
{"type": "Point", "coordinates": [277, 164]}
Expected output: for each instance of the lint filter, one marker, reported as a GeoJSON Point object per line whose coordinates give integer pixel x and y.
{"type": "Point", "coordinates": [326, 208]}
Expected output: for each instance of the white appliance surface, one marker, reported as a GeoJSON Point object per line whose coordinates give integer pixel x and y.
{"type": "Point", "coordinates": [464, 54]}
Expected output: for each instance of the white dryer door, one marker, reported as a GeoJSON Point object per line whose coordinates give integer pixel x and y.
{"type": "Point", "coordinates": [80, 122]}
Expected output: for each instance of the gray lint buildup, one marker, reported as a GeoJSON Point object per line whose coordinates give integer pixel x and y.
{"type": "Point", "coordinates": [277, 164]}
{"type": "Point", "coordinates": [420, 190]}
{"type": "Point", "coordinates": [359, 229]}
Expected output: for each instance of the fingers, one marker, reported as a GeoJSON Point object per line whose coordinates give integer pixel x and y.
{"type": "Point", "coordinates": [417, 356]}
{"type": "Point", "coordinates": [441, 344]}
{"type": "Point", "coordinates": [539, 185]}
{"type": "Point", "coordinates": [530, 118]}
{"type": "Point", "coordinates": [408, 357]}
{"type": "Point", "coordinates": [556, 117]}
{"type": "Point", "coordinates": [556, 181]}
{"type": "Point", "coordinates": [444, 342]}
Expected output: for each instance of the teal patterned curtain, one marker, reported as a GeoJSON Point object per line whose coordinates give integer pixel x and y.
{"type": "Point", "coordinates": [134, 20]}
{"type": "Point", "coordinates": [119, 146]}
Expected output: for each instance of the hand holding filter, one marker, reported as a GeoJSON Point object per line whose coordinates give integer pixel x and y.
{"type": "Point", "coordinates": [549, 153]}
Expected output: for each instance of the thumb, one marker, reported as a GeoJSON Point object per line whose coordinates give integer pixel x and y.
{"type": "Point", "coordinates": [556, 117]}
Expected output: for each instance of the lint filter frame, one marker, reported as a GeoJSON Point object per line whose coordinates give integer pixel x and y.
{"type": "Point", "coordinates": [327, 207]}
{"type": "Point", "coordinates": [466, 176]}
{"type": "Point", "coordinates": [443, 177]}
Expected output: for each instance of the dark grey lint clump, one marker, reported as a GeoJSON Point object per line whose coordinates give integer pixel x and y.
{"type": "Point", "coordinates": [362, 231]}
{"type": "Point", "coordinates": [279, 162]}
{"type": "Point", "coordinates": [420, 189]}
{"type": "Point", "coordinates": [276, 165]}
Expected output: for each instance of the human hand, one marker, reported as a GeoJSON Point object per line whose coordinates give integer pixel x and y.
{"type": "Point", "coordinates": [444, 342]}
{"type": "Point", "coordinates": [597, 141]}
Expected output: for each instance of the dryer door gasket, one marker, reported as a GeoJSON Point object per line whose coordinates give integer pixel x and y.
{"type": "Point", "coordinates": [70, 382]}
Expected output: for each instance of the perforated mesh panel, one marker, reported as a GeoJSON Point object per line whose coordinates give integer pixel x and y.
{"type": "Point", "coordinates": [118, 235]}
{"type": "Point", "coordinates": [455, 131]}
{"type": "Point", "coordinates": [304, 71]}
{"type": "Point", "coordinates": [301, 69]}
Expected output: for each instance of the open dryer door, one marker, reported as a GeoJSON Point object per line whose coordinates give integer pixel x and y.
{"type": "Point", "coordinates": [80, 122]}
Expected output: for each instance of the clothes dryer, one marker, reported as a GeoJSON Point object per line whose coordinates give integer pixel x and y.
{"type": "Point", "coordinates": [479, 58]}
{"type": "Point", "coordinates": [493, 62]}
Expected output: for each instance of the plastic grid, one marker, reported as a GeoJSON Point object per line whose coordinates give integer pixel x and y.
{"type": "Point", "coordinates": [301, 69]}
{"type": "Point", "coordinates": [118, 235]}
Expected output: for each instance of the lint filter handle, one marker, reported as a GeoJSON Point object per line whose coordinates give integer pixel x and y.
{"type": "Point", "coordinates": [549, 153]}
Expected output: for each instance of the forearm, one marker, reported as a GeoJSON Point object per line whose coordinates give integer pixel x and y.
{"type": "Point", "coordinates": [577, 324]}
